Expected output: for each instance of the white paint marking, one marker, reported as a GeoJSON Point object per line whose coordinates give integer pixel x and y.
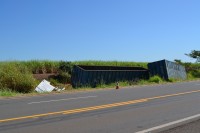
{"type": "Point", "coordinates": [62, 100]}
{"type": "Point", "coordinates": [169, 124]}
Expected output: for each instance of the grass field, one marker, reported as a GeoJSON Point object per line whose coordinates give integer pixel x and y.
{"type": "Point", "coordinates": [47, 66]}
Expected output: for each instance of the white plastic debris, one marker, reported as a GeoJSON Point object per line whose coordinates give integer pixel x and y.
{"type": "Point", "coordinates": [44, 86]}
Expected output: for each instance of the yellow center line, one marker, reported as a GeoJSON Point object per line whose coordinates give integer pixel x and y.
{"type": "Point", "coordinates": [73, 111]}
{"type": "Point", "coordinates": [104, 106]}
{"type": "Point", "coordinates": [171, 95]}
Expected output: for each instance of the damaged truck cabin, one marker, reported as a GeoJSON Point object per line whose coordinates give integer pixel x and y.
{"type": "Point", "coordinates": [83, 76]}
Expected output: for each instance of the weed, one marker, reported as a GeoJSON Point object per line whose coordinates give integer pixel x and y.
{"type": "Point", "coordinates": [155, 79]}
{"type": "Point", "coordinates": [172, 80]}
{"type": "Point", "coordinates": [7, 92]}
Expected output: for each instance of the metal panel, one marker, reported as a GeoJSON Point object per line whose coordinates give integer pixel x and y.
{"type": "Point", "coordinates": [94, 75]}
{"type": "Point", "coordinates": [167, 69]}
{"type": "Point", "coordinates": [175, 71]}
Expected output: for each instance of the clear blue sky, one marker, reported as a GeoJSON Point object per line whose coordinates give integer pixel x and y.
{"type": "Point", "coordinates": [123, 30]}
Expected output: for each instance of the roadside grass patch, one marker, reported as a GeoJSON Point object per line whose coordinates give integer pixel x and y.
{"type": "Point", "coordinates": [155, 79]}
{"type": "Point", "coordinates": [172, 80]}
{"type": "Point", "coordinates": [17, 78]}
{"type": "Point", "coordinates": [7, 92]}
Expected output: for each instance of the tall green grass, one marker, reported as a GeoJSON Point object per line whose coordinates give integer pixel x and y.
{"type": "Point", "coordinates": [37, 66]}
{"type": "Point", "coordinates": [111, 63]}
{"type": "Point", "coordinates": [192, 69]}
{"type": "Point", "coordinates": [16, 77]}
{"type": "Point", "coordinates": [42, 66]}
{"type": "Point", "coordinates": [5, 92]}
{"type": "Point", "coordinates": [47, 66]}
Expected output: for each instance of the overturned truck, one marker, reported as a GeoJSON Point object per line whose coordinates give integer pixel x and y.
{"type": "Point", "coordinates": [83, 76]}
{"type": "Point", "coordinates": [94, 75]}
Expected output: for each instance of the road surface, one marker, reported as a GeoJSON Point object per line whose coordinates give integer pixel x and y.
{"type": "Point", "coordinates": [126, 110]}
{"type": "Point", "coordinates": [192, 127]}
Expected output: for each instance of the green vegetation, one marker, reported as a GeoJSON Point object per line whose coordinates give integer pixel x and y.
{"type": "Point", "coordinates": [195, 54]}
{"type": "Point", "coordinates": [46, 66]}
{"type": "Point", "coordinates": [155, 79]}
{"type": "Point", "coordinates": [192, 69]}
{"type": "Point", "coordinates": [7, 92]}
{"type": "Point", "coordinates": [43, 66]}
{"type": "Point", "coordinates": [173, 80]}
{"type": "Point", "coordinates": [152, 80]}
{"type": "Point", "coordinates": [17, 76]}
{"type": "Point", "coordinates": [111, 63]}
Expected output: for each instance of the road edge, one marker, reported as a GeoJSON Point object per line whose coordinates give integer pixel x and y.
{"type": "Point", "coordinates": [171, 125]}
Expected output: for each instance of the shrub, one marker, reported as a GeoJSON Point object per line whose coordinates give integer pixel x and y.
{"type": "Point", "coordinates": [17, 78]}
{"type": "Point", "coordinates": [155, 79]}
{"type": "Point", "coordinates": [65, 67]}
{"type": "Point", "coordinates": [54, 82]}
{"type": "Point", "coordinates": [195, 74]}
{"type": "Point", "coordinates": [193, 70]}
{"type": "Point", "coordinates": [64, 78]}
{"type": "Point", "coordinates": [7, 92]}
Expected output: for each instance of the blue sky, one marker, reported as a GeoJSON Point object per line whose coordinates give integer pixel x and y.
{"type": "Point", "coordinates": [123, 30]}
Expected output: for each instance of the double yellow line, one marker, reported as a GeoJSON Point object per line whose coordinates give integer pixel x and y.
{"type": "Point", "coordinates": [73, 111]}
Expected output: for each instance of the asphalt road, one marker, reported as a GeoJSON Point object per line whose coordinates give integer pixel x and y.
{"type": "Point", "coordinates": [192, 127]}
{"type": "Point", "coordinates": [126, 110]}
